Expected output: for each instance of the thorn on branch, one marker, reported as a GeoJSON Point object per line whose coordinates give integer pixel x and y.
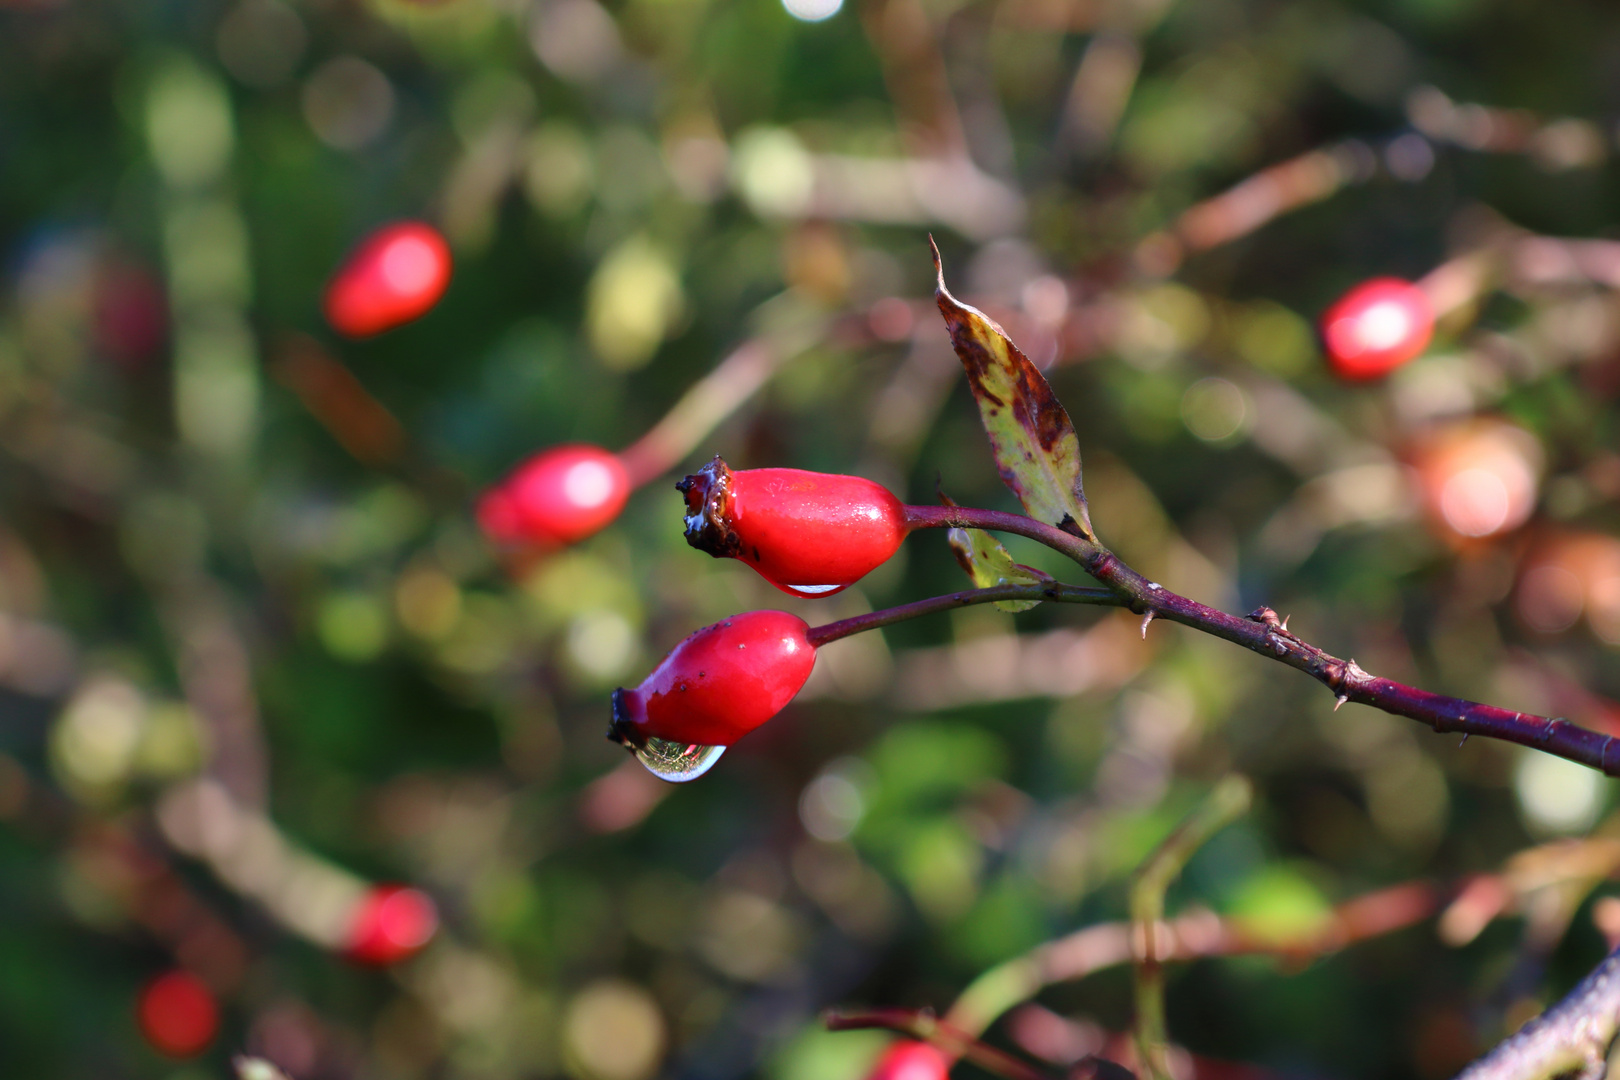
{"type": "Point", "coordinates": [1338, 700]}
{"type": "Point", "coordinates": [1145, 620]}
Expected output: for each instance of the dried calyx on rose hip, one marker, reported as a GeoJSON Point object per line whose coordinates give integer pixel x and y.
{"type": "Point", "coordinates": [1376, 327]}
{"type": "Point", "coordinates": [719, 684]}
{"type": "Point", "coordinates": [807, 533]}
{"type": "Point", "coordinates": [558, 496]}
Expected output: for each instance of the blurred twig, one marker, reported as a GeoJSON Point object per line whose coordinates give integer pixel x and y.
{"type": "Point", "coordinates": [1196, 934]}
{"type": "Point", "coordinates": [705, 404]}
{"type": "Point", "coordinates": [360, 423]}
{"type": "Point", "coordinates": [1227, 802]}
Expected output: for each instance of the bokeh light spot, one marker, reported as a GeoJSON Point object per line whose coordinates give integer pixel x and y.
{"type": "Point", "coordinates": [812, 10]}
{"type": "Point", "coordinates": [1557, 796]}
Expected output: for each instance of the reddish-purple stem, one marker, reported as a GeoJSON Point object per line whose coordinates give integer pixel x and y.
{"type": "Point", "coordinates": [1262, 632]}
{"type": "Point", "coordinates": [1049, 590]}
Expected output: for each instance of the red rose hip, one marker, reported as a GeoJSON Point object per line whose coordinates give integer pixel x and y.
{"type": "Point", "coordinates": [391, 923]}
{"type": "Point", "coordinates": [807, 533]}
{"type": "Point", "coordinates": [177, 1014]}
{"type": "Point", "coordinates": [719, 684]}
{"type": "Point", "coordinates": [1376, 327]}
{"type": "Point", "coordinates": [559, 496]}
{"type": "Point", "coordinates": [911, 1060]}
{"type": "Point", "coordinates": [396, 274]}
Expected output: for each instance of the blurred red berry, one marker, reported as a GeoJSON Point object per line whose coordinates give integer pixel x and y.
{"type": "Point", "coordinates": [910, 1060]}
{"type": "Point", "coordinates": [396, 274]}
{"type": "Point", "coordinates": [807, 533]}
{"type": "Point", "coordinates": [1376, 327]}
{"type": "Point", "coordinates": [719, 684]}
{"type": "Point", "coordinates": [131, 314]}
{"type": "Point", "coordinates": [558, 496]}
{"type": "Point", "coordinates": [392, 923]}
{"type": "Point", "coordinates": [1479, 478]}
{"type": "Point", "coordinates": [177, 1014]}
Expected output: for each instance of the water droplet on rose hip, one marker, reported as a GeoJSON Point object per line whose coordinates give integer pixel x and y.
{"type": "Point", "coordinates": [814, 590]}
{"type": "Point", "coordinates": [677, 762]}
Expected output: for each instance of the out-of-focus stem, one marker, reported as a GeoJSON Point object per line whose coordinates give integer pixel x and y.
{"type": "Point", "coordinates": [704, 405]}
{"type": "Point", "coordinates": [1053, 591]}
{"type": "Point", "coordinates": [1225, 804]}
{"type": "Point", "coordinates": [1458, 282]}
{"type": "Point", "coordinates": [1192, 935]}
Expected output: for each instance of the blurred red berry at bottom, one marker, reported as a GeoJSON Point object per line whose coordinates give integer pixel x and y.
{"type": "Point", "coordinates": [130, 321]}
{"type": "Point", "coordinates": [909, 1060]}
{"type": "Point", "coordinates": [1376, 327]}
{"type": "Point", "coordinates": [177, 1014]}
{"type": "Point", "coordinates": [396, 274]}
{"type": "Point", "coordinates": [558, 496]}
{"type": "Point", "coordinates": [391, 924]}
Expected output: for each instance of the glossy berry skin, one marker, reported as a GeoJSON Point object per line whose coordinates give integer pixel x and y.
{"type": "Point", "coordinates": [177, 1014]}
{"type": "Point", "coordinates": [391, 924]}
{"type": "Point", "coordinates": [719, 684]}
{"type": "Point", "coordinates": [396, 274]}
{"type": "Point", "coordinates": [1376, 327]}
{"type": "Point", "coordinates": [910, 1060]}
{"type": "Point", "coordinates": [807, 533]}
{"type": "Point", "coordinates": [559, 496]}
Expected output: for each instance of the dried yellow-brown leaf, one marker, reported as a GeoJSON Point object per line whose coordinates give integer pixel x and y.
{"type": "Point", "coordinates": [1031, 435]}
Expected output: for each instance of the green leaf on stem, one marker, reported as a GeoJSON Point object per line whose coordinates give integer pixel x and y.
{"type": "Point", "coordinates": [1031, 435]}
{"type": "Point", "coordinates": [988, 563]}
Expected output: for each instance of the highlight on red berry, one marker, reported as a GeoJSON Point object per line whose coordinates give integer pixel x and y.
{"type": "Point", "coordinates": [911, 1060]}
{"type": "Point", "coordinates": [396, 275]}
{"type": "Point", "coordinates": [719, 684]}
{"type": "Point", "coordinates": [558, 496]}
{"type": "Point", "coordinates": [807, 533]}
{"type": "Point", "coordinates": [391, 923]}
{"type": "Point", "coordinates": [177, 1014]}
{"type": "Point", "coordinates": [1376, 327]}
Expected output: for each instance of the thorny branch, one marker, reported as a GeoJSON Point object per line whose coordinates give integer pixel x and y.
{"type": "Point", "coordinates": [1263, 632]}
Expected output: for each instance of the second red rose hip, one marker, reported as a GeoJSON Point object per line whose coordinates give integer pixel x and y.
{"type": "Point", "coordinates": [396, 274]}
